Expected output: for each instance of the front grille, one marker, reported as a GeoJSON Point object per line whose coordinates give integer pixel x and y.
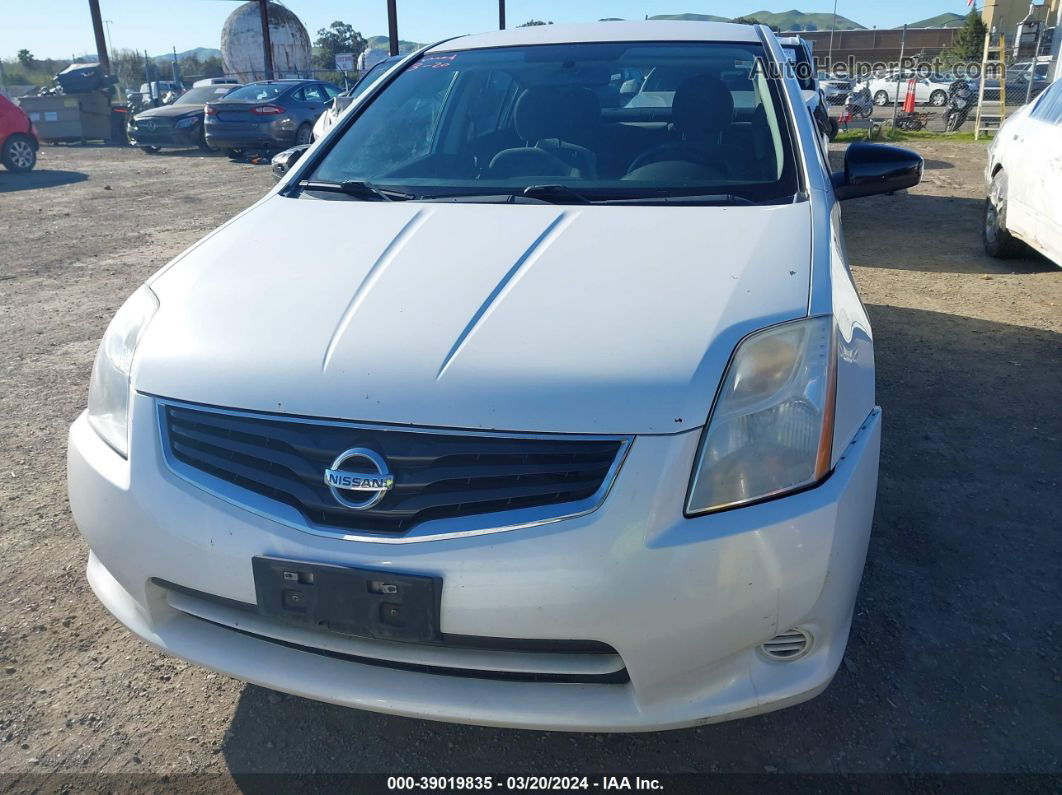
{"type": "Point", "coordinates": [437, 475]}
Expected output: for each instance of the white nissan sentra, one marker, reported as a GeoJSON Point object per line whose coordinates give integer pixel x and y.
{"type": "Point", "coordinates": [520, 401]}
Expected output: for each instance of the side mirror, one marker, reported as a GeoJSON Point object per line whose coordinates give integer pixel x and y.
{"type": "Point", "coordinates": [870, 169]}
{"type": "Point", "coordinates": [630, 87]}
{"type": "Point", "coordinates": [282, 162]}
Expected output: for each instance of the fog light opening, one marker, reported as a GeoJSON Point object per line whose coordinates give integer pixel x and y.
{"type": "Point", "coordinates": [788, 646]}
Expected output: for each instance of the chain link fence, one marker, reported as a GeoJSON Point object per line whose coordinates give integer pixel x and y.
{"type": "Point", "coordinates": [944, 103]}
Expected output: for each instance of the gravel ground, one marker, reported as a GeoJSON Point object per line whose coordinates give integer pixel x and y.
{"type": "Point", "coordinates": [954, 662]}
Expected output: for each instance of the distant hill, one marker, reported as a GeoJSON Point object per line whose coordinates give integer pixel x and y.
{"type": "Point", "coordinates": [784, 20]}
{"type": "Point", "coordinates": [798, 20]}
{"type": "Point", "coordinates": [202, 53]}
{"type": "Point", "coordinates": [691, 17]}
{"type": "Point", "coordinates": [948, 20]}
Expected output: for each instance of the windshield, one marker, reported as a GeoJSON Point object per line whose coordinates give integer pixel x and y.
{"type": "Point", "coordinates": [259, 92]}
{"type": "Point", "coordinates": [705, 119]}
{"type": "Point", "coordinates": [202, 95]}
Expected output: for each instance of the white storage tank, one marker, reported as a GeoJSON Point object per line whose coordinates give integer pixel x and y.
{"type": "Point", "coordinates": [241, 43]}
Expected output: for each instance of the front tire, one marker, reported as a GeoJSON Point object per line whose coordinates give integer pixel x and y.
{"type": "Point", "coordinates": [938, 98]}
{"type": "Point", "coordinates": [998, 241]}
{"type": "Point", "coordinates": [19, 154]}
{"type": "Point", "coordinates": [151, 150]}
{"type": "Point", "coordinates": [881, 99]}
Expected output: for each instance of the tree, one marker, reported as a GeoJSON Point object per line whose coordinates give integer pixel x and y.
{"type": "Point", "coordinates": [970, 40]}
{"type": "Point", "coordinates": [337, 37]}
{"type": "Point", "coordinates": [532, 23]}
{"type": "Point", "coordinates": [25, 57]}
{"type": "Point", "coordinates": [753, 21]}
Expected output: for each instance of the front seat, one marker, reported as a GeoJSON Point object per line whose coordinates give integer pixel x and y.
{"type": "Point", "coordinates": [550, 119]}
{"type": "Point", "coordinates": [701, 111]}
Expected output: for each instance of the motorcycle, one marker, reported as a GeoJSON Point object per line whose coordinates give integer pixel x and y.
{"type": "Point", "coordinates": [860, 103]}
{"type": "Point", "coordinates": [960, 100]}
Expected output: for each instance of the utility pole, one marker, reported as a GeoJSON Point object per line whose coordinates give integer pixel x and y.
{"type": "Point", "coordinates": [899, 75]}
{"type": "Point", "coordinates": [267, 42]}
{"type": "Point", "coordinates": [833, 27]}
{"type": "Point", "coordinates": [101, 40]}
{"type": "Point", "coordinates": [392, 26]}
{"type": "Point", "coordinates": [176, 72]}
{"type": "Point", "coordinates": [501, 14]}
{"type": "Point", "coordinates": [110, 38]}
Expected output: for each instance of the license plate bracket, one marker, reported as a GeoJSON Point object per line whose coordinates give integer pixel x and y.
{"type": "Point", "coordinates": [361, 602]}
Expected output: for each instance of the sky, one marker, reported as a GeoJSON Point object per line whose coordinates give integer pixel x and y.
{"type": "Point", "coordinates": [61, 28]}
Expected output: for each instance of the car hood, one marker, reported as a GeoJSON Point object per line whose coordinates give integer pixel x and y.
{"type": "Point", "coordinates": [170, 111]}
{"type": "Point", "coordinates": [504, 317]}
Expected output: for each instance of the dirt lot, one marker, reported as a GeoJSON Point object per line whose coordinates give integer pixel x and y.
{"type": "Point", "coordinates": [955, 662]}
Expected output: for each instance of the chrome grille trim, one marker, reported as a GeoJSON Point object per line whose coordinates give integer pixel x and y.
{"type": "Point", "coordinates": [431, 530]}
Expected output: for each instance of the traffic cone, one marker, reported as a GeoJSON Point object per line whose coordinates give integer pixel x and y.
{"type": "Point", "coordinates": [909, 100]}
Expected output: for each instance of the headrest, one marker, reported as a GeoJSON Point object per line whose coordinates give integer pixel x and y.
{"type": "Point", "coordinates": [702, 104]}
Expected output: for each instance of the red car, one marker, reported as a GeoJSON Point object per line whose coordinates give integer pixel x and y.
{"type": "Point", "coordinates": [18, 137]}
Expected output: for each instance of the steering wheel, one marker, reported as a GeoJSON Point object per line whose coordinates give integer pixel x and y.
{"type": "Point", "coordinates": [680, 151]}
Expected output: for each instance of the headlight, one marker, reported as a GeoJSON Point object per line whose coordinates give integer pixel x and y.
{"type": "Point", "coordinates": [771, 429]}
{"type": "Point", "coordinates": [108, 401]}
{"type": "Point", "coordinates": [190, 121]}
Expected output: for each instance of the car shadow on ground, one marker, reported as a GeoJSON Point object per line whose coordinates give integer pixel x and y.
{"type": "Point", "coordinates": [949, 667]}
{"type": "Point", "coordinates": [940, 234]}
{"type": "Point", "coordinates": [193, 151]}
{"type": "Point", "coordinates": [37, 179]}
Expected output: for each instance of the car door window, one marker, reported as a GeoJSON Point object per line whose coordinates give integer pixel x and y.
{"type": "Point", "coordinates": [331, 91]}
{"type": "Point", "coordinates": [1049, 106]}
{"type": "Point", "coordinates": [314, 93]}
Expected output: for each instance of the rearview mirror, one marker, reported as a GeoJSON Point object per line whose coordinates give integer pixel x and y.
{"type": "Point", "coordinates": [870, 169]}
{"type": "Point", "coordinates": [281, 163]}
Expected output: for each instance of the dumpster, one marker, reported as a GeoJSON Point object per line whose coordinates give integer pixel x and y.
{"type": "Point", "coordinates": [70, 117]}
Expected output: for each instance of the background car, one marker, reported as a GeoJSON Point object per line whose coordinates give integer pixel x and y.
{"type": "Point", "coordinates": [267, 116]}
{"type": "Point", "coordinates": [1024, 176]}
{"type": "Point", "coordinates": [179, 124]}
{"type": "Point", "coordinates": [929, 90]}
{"type": "Point", "coordinates": [18, 137]}
{"type": "Point", "coordinates": [835, 89]}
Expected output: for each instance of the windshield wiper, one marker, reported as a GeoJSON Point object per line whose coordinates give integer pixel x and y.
{"type": "Point", "coordinates": [358, 189]}
{"type": "Point", "coordinates": [708, 198]}
{"type": "Point", "coordinates": [555, 194]}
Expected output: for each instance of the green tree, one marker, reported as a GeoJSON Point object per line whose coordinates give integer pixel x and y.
{"type": "Point", "coordinates": [25, 57]}
{"type": "Point", "coordinates": [532, 23]}
{"type": "Point", "coordinates": [753, 21]}
{"type": "Point", "coordinates": [337, 37]}
{"type": "Point", "coordinates": [970, 40]}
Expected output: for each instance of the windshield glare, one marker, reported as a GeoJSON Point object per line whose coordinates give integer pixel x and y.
{"type": "Point", "coordinates": [626, 119]}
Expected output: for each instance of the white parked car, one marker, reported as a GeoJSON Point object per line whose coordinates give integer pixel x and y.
{"type": "Point", "coordinates": [565, 401]}
{"type": "Point", "coordinates": [931, 90]}
{"type": "Point", "coordinates": [1024, 176]}
{"type": "Point", "coordinates": [835, 88]}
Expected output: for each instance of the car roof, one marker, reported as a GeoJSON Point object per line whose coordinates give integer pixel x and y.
{"type": "Point", "coordinates": [649, 30]}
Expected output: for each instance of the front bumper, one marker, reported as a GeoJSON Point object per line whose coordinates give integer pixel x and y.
{"type": "Point", "coordinates": [172, 136]}
{"type": "Point", "coordinates": [685, 602]}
